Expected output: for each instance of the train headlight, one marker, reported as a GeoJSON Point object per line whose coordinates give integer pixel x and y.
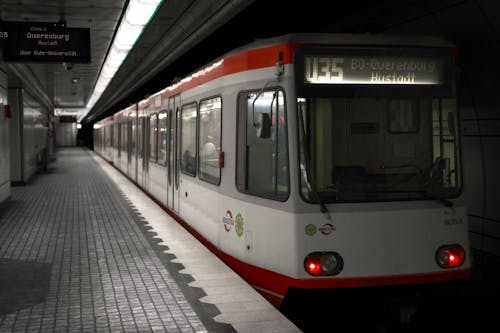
{"type": "Point", "coordinates": [323, 263]}
{"type": "Point", "coordinates": [449, 256]}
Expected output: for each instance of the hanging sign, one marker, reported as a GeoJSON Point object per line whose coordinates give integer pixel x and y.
{"type": "Point", "coordinates": [44, 43]}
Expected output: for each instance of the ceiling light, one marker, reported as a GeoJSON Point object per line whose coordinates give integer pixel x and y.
{"type": "Point", "coordinates": [140, 11]}
{"type": "Point", "coordinates": [137, 15]}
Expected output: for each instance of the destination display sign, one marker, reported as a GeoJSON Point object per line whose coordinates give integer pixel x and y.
{"type": "Point", "coordinates": [372, 68]}
{"type": "Point", "coordinates": [43, 42]}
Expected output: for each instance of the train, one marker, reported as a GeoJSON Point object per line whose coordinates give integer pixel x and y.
{"type": "Point", "coordinates": [310, 161]}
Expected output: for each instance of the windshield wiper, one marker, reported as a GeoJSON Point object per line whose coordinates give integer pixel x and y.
{"type": "Point", "coordinates": [444, 201]}
{"type": "Point", "coordinates": [412, 166]}
{"type": "Point", "coordinates": [322, 205]}
{"type": "Point", "coordinates": [428, 195]}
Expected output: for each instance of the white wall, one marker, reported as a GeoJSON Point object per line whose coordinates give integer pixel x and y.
{"type": "Point", "coordinates": [15, 135]}
{"type": "Point", "coordinates": [4, 142]}
{"type": "Point", "coordinates": [35, 134]}
{"type": "Point", "coordinates": [28, 135]}
{"type": "Point", "coordinates": [66, 134]}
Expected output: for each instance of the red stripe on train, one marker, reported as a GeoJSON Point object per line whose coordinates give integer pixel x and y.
{"type": "Point", "coordinates": [240, 62]}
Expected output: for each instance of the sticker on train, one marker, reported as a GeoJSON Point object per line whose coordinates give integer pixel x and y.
{"type": "Point", "coordinates": [239, 225]}
{"type": "Point", "coordinates": [311, 229]}
{"type": "Point", "coordinates": [327, 229]}
{"type": "Point", "coordinates": [453, 221]}
{"type": "Point", "coordinates": [228, 221]}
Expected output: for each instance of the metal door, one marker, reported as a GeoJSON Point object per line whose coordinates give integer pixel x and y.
{"type": "Point", "coordinates": [173, 154]}
{"type": "Point", "coordinates": [144, 152]}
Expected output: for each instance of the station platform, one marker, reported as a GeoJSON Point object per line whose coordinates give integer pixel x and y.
{"type": "Point", "coordinates": [82, 249]}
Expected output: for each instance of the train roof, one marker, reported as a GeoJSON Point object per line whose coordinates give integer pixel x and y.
{"type": "Point", "coordinates": [366, 39]}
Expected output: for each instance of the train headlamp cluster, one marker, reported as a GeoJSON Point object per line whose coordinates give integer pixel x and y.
{"type": "Point", "coordinates": [323, 263]}
{"type": "Point", "coordinates": [450, 256]}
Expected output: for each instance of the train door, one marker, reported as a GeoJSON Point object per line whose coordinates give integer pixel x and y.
{"type": "Point", "coordinates": [172, 151]}
{"type": "Point", "coordinates": [129, 145]}
{"type": "Point", "coordinates": [133, 146]}
{"type": "Point", "coordinates": [139, 147]}
{"type": "Point", "coordinates": [141, 151]}
{"type": "Point", "coordinates": [124, 147]}
{"type": "Point", "coordinates": [146, 128]}
{"type": "Point", "coordinates": [169, 159]}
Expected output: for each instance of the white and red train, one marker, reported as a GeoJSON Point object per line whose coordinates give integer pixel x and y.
{"type": "Point", "coordinates": [309, 161]}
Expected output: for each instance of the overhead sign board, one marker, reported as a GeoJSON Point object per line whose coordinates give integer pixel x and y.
{"type": "Point", "coordinates": [44, 42]}
{"type": "Point", "coordinates": [374, 71]}
{"type": "Point", "coordinates": [374, 68]}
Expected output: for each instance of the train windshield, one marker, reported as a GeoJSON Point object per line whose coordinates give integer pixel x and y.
{"type": "Point", "coordinates": [377, 126]}
{"type": "Point", "coordinates": [371, 149]}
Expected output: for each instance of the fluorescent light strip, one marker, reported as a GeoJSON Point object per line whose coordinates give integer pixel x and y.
{"type": "Point", "coordinates": [137, 15]}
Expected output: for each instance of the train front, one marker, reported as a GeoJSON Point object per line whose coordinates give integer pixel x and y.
{"type": "Point", "coordinates": [380, 168]}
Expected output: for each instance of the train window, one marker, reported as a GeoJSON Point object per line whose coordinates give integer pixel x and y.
{"type": "Point", "coordinates": [116, 136]}
{"type": "Point", "coordinates": [153, 130]}
{"type": "Point", "coordinates": [105, 138]}
{"type": "Point", "coordinates": [262, 156]}
{"type": "Point", "coordinates": [140, 137]}
{"type": "Point", "coordinates": [189, 115]}
{"type": "Point", "coordinates": [378, 149]}
{"type": "Point", "coordinates": [175, 138]}
{"type": "Point", "coordinates": [445, 166]}
{"type": "Point", "coordinates": [402, 116]}
{"type": "Point", "coordinates": [146, 144]}
{"type": "Point", "coordinates": [209, 141]}
{"type": "Point", "coordinates": [162, 138]}
{"type": "Point", "coordinates": [132, 139]}
{"type": "Point", "coordinates": [112, 136]}
{"type": "Point", "coordinates": [124, 137]}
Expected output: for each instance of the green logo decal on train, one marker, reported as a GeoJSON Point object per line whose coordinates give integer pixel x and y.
{"type": "Point", "coordinates": [310, 229]}
{"type": "Point", "coordinates": [239, 225]}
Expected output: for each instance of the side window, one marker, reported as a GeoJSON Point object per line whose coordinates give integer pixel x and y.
{"type": "Point", "coordinates": [153, 130]}
{"type": "Point", "coordinates": [105, 138]}
{"type": "Point", "coordinates": [116, 139]}
{"type": "Point", "coordinates": [112, 136]}
{"type": "Point", "coordinates": [162, 137]}
{"type": "Point", "coordinates": [209, 141]}
{"type": "Point", "coordinates": [402, 116]}
{"type": "Point", "coordinates": [262, 149]}
{"type": "Point", "coordinates": [124, 138]}
{"type": "Point", "coordinates": [140, 137]}
{"type": "Point", "coordinates": [132, 137]}
{"type": "Point", "coordinates": [189, 117]}
{"type": "Point", "coordinates": [444, 133]}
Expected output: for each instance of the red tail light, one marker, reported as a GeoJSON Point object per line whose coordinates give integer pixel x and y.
{"type": "Point", "coordinates": [313, 266]}
{"type": "Point", "coordinates": [323, 263]}
{"type": "Point", "coordinates": [449, 256]}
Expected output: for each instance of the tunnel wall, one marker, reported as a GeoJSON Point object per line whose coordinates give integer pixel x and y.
{"type": "Point", "coordinates": [474, 26]}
